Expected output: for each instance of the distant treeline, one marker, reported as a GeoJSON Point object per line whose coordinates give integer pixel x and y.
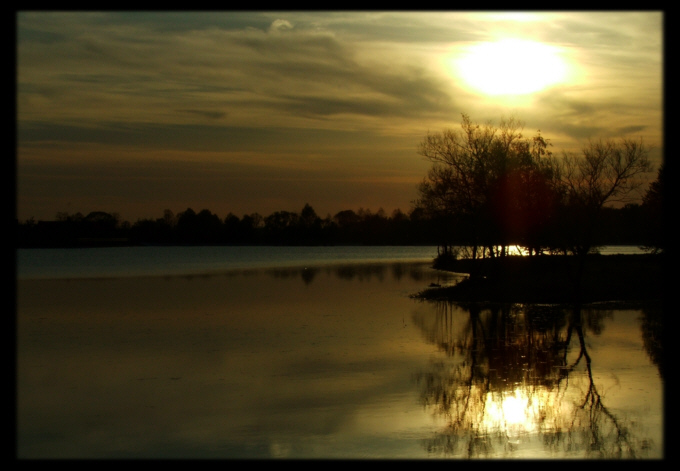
{"type": "Point", "coordinates": [624, 226]}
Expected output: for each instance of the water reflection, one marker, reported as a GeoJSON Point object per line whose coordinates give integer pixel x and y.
{"type": "Point", "coordinates": [652, 335]}
{"type": "Point", "coordinates": [318, 362]}
{"type": "Point", "coordinates": [306, 363]}
{"type": "Point", "coordinates": [519, 377]}
{"type": "Point", "coordinates": [413, 271]}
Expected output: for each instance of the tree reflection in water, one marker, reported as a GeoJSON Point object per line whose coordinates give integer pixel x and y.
{"type": "Point", "coordinates": [514, 374]}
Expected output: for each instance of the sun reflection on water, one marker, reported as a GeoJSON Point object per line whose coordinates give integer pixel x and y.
{"type": "Point", "coordinates": [517, 381]}
{"type": "Point", "coordinates": [514, 412]}
{"type": "Point", "coordinates": [520, 413]}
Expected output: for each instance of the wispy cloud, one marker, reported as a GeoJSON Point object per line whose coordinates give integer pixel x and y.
{"type": "Point", "coordinates": [363, 84]}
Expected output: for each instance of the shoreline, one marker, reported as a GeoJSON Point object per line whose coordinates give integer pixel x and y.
{"type": "Point", "coordinates": [552, 279]}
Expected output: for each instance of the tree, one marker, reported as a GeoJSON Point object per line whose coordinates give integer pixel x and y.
{"type": "Point", "coordinates": [208, 227]}
{"type": "Point", "coordinates": [522, 206]}
{"type": "Point", "coordinates": [100, 224]}
{"type": "Point", "coordinates": [232, 226]}
{"type": "Point", "coordinates": [454, 187]}
{"type": "Point", "coordinates": [186, 227]}
{"type": "Point", "coordinates": [250, 228]}
{"type": "Point", "coordinates": [478, 174]}
{"type": "Point", "coordinates": [282, 228]}
{"type": "Point", "coordinates": [310, 223]}
{"type": "Point", "coordinates": [346, 218]}
{"type": "Point", "coordinates": [606, 171]}
{"type": "Point", "coordinates": [490, 187]}
{"type": "Point", "coordinates": [169, 218]}
{"type": "Point", "coordinates": [308, 216]}
{"type": "Point", "coordinates": [653, 205]}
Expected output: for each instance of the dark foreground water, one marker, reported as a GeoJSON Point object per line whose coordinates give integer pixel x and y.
{"type": "Point", "coordinates": [324, 360]}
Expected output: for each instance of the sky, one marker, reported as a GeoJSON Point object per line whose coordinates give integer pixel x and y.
{"type": "Point", "coordinates": [241, 112]}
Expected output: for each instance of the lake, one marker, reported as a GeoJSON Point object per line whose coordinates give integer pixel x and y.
{"type": "Point", "coordinates": [294, 352]}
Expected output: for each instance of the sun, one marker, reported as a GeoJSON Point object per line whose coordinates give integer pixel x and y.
{"type": "Point", "coordinates": [510, 67]}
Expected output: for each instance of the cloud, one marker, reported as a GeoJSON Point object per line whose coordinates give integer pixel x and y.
{"type": "Point", "coordinates": [630, 129]}
{"type": "Point", "coordinates": [205, 113]}
{"type": "Point", "coordinates": [260, 77]}
{"type": "Point", "coordinates": [346, 93]}
{"type": "Point", "coordinates": [279, 25]}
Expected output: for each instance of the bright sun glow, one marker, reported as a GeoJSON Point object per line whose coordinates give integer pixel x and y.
{"type": "Point", "coordinates": [515, 413]}
{"type": "Point", "coordinates": [511, 67]}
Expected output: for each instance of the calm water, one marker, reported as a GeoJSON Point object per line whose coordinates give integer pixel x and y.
{"type": "Point", "coordinates": [163, 261]}
{"type": "Point", "coordinates": [315, 353]}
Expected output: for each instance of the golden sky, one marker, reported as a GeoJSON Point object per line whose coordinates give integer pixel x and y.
{"type": "Point", "coordinates": [137, 112]}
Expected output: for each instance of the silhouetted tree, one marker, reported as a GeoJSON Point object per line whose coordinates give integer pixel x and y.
{"type": "Point", "coordinates": [524, 196]}
{"type": "Point", "coordinates": [310, 226]}
{"type": "Point", "coordinates": [99, 224]}
{"type": "Point", "coordinates": [346, 218]}
{"type": "Point", "coordinates": [65, 216]}
{"type": "Point", "coordinates": [653, 205]}
{"type": "Point", "coordinates": [232, 229]}
{"type": "Point", "coordinates": [186, 227]}
{"type": "Point", "coordinates": [282, 228]}
{"type": "Point", "coordinates": [308, 216]}
{"type": "Point", "coordinates": [606, 171]}
{"type": "Point", "coordinates": [484, 183]}
{"type": "Point", "coordinates": [252, 226]}
{"type": "Point", "coordinates": [169, 218]}
{"type": "Point", "coordinates": [208, 227]}
{"type": "Point", "coordinates": [150, 231]}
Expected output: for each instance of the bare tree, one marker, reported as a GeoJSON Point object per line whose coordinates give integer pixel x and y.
{"type": "Point", "coordinates": [653, 204]}
{"type": "Point", "coordinates": [605, 172]}
{"type": "Point", "coordinates": [469, 164]}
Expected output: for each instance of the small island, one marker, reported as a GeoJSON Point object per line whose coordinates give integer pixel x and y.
{"type": "Point", "coordinates": [493, 189]}
{"type": "Point", "coordinates": [554, 279]}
